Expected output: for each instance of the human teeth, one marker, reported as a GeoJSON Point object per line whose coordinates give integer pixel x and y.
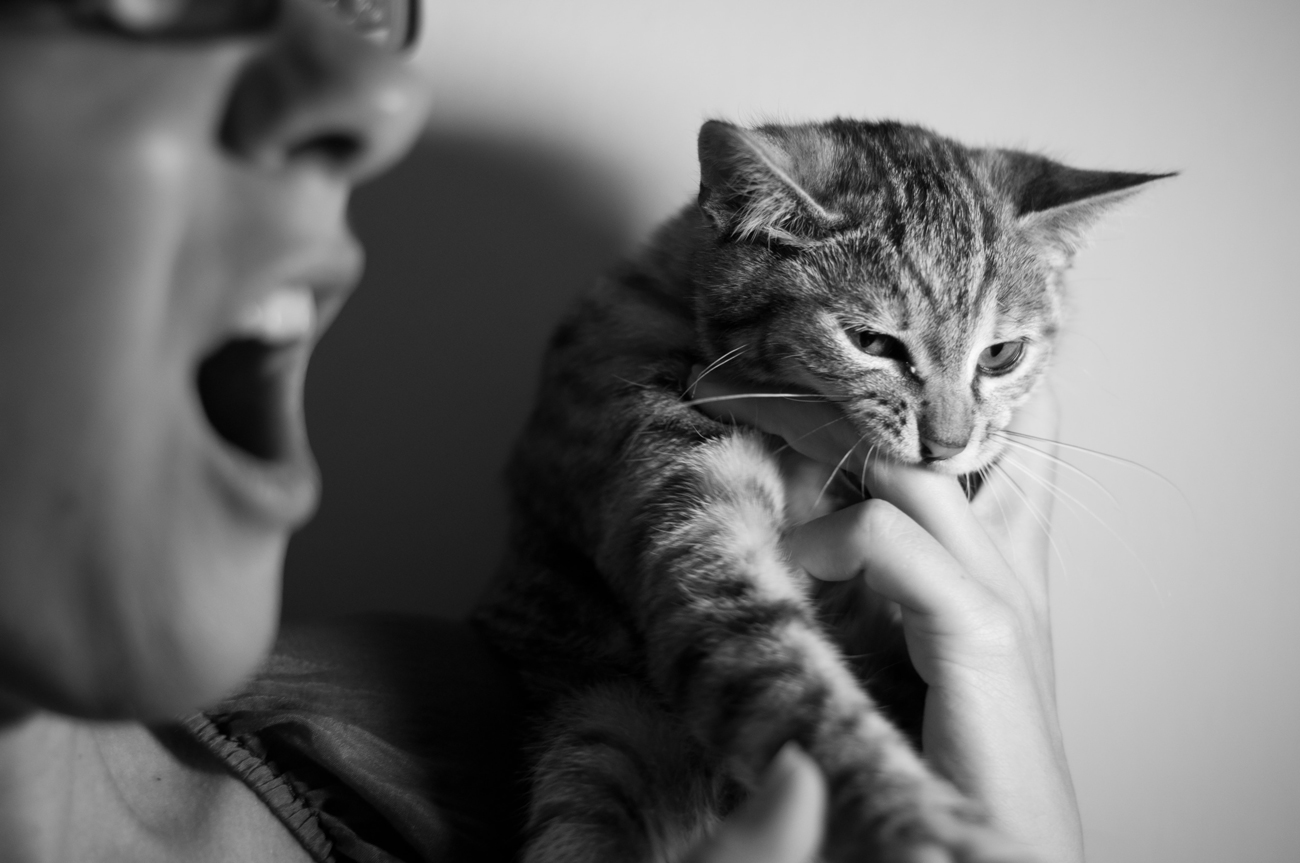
{"type": "Point", "coordinates": [284, 315]}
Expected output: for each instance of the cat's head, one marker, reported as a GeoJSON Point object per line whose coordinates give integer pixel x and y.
{"type": "Point", "coordinates": [913, 280]}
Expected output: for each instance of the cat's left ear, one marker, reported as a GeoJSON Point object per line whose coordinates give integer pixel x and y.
{"type": "Point", "coordinates": [1057, 204]}
{"type": "Point", "coordinates": [754, 183]}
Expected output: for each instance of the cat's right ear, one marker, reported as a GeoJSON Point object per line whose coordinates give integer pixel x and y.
{"type": "Point", "coordinates": [1057, 204]}
{"type": "Point", "coordinates": [750, 190]}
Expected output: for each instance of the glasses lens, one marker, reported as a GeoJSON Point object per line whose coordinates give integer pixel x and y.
{"type": "Point", "coordinates": [388, 23]}
{"type": "Point", "coordinates": [176, 19]}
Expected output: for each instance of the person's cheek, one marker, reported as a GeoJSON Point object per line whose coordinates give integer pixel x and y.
{"type": "Point", "coordinates": [126, 588]}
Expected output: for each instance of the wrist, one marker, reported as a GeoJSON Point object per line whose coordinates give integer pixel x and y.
{"type": "Point", "coordinates": [995, 734]}
{"type": "Point", "coordinates": [1000, 649]}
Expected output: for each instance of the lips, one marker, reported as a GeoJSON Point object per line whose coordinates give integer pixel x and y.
{"type": "Point", "coordinates": [249, 386]}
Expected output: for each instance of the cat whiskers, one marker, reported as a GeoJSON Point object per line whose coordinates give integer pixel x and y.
{"type": "Point", "coordinates": [1041, 518]}
{"type": "Point", "coordinates": [1120, 460]}
{"type": "Point", "coordinates": [984, 474]}
{"type": "Point", "coordinates": [1035, 444]}
{"type": "Point", "coordinates": [798, 397]}
{"type": "Point", "coordinates": [835, 473]}
{"type": "Point", "coordinates": [790, 443]}
{"type": "Point", "coordinates": [862, 479]}
{"type": "Point", "coordinates": [1055, 489]}
{"type": "Point", "coordinates": [1075, 504]}
{"type": "Point", "coordinates": [717, 364]}
{"type": "Point", "coordinates": [1021, 446]}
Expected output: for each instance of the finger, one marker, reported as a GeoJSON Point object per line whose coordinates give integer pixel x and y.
{"type": "Point", "coordinates": [897, 557]}
{"type": "Point", "coordinates": [937, 503]}
{"type": "Point", "coordinates": [781, 822]}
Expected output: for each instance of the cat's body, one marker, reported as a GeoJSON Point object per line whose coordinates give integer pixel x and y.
{"type": "Point", "coordinates": [646, 598]}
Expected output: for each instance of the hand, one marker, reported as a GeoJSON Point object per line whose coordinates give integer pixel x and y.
{"type": "Point", "coordinates": [971, 580]}
{"type": "Point", "coordinates": [781, 822]}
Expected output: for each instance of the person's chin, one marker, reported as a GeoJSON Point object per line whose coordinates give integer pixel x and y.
{"type": "Point", "coordinates": [167, 643]}
{"type": "Point", "coordinates": [197, 600]}
{"type": "Point", "coordinates": [209, 639]}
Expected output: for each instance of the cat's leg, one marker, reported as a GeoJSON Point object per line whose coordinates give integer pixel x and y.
{"type": "Point", "coordinates": [618, 779]}
{"type": "Point", "coordinates": [735, 646]}
{"type": "Point", "coordinates": [868, 630]}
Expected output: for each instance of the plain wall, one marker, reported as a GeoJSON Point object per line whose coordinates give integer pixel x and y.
{"type": "Point", "coordinates": [565, 130]}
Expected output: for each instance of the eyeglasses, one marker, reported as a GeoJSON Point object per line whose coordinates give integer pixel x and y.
{"type": "Point", "coordinates": [391, 24]}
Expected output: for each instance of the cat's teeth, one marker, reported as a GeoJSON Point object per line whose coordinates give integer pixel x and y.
{"type": "Point", "coordinates": [286, 314]}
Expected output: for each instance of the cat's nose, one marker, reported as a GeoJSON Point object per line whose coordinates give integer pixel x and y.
{"type": "Point", "coordinates": [933, 450]}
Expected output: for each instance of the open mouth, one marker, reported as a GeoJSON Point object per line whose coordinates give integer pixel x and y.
{"type": "Point", "coordinates": [244, 387]}
{"type": "Point", "coordinates": [247, 384]}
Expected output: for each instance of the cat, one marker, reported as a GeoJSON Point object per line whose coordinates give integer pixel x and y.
{"type": "Point", "coordinates": [913, 281]}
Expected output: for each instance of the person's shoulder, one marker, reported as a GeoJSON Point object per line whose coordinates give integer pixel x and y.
{"type": "Point", "coordinates": [398, 732]}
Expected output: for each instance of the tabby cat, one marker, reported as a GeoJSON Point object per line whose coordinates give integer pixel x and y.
{"type": "Point", "coordinates": [911, 280]}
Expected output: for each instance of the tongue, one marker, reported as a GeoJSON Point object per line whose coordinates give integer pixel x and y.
{"type": "Point", "coordinates": [241, 388]}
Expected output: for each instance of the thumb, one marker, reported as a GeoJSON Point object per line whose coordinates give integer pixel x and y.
{"type": "Point", "coordinates": [781, 822]}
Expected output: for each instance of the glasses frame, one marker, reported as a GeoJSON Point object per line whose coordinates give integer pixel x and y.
{"type": "Point", "coordinates": [100, 15]}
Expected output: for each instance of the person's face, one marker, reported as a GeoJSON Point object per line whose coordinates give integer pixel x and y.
{"type": "Point", "coordinates": [172, 239]}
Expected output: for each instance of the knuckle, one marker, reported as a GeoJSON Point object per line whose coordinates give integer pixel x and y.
{"type": "Point", "coordinates": [998, 630]}
{"type": "Point", "coordinates": [881, 518]}
{"type": "Point", "coordinates": [999, 622]}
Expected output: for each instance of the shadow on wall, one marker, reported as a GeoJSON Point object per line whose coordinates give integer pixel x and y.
{"type": "Point", "coordinates": [475, 248]}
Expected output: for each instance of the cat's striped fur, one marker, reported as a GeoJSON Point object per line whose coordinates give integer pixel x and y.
{"type": "Point", "coordinates": [646, 597]}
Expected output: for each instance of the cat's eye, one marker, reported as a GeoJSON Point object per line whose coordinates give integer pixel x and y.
{"type": "Point", "coordinates": [1001, 358]}
{"type": "Point", "coordinates": [881, 345]}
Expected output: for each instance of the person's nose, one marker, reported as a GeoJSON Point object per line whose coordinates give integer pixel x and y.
{"type": "Point", "coordinates": [320, 93]}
